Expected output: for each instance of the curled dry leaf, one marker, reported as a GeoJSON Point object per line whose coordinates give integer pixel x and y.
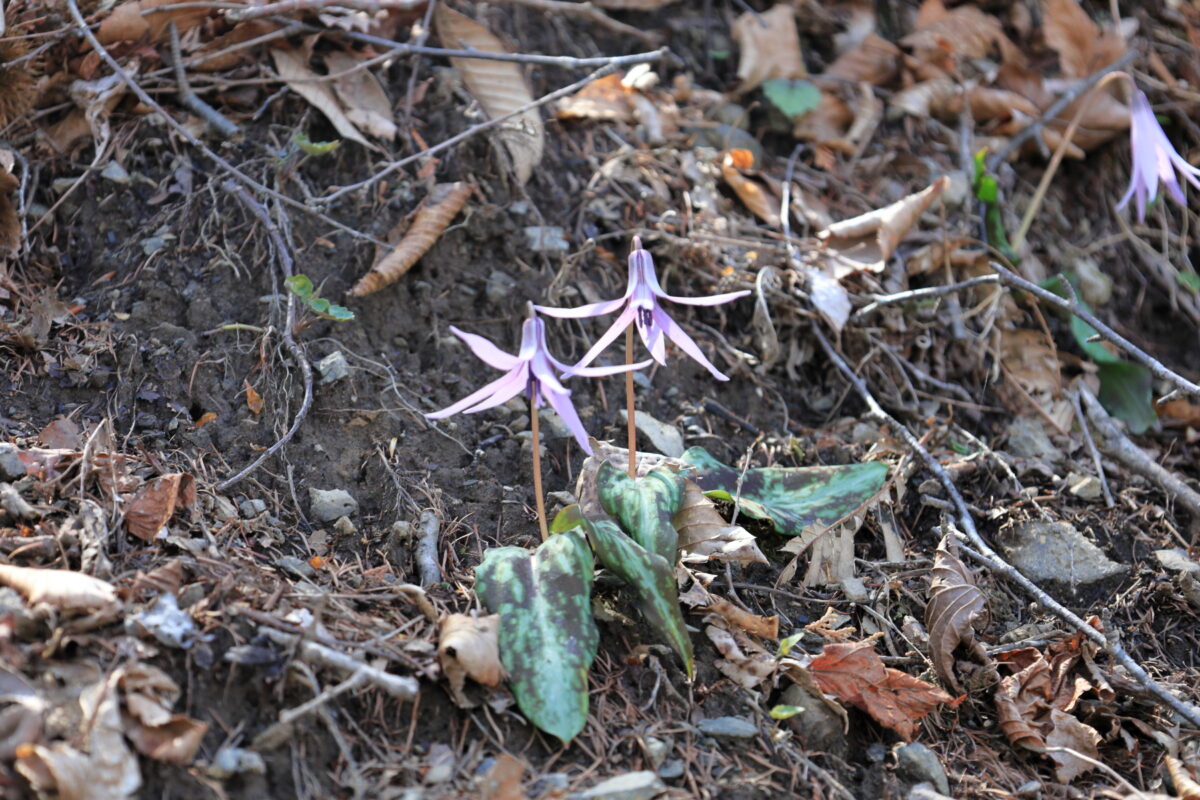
{"type": "Point", "coordinates": [366, 104]}
{"type": "Point", "coordinates": [751, 192]}
{"type": "Point", "coordinates": [503, 780]}
{"type": "Point", "coordinates": [155, 504]}
{"type": "Point", "coordinates": [1081, 46]}
{"type": "Point", "coordinates": [432, 217]}
{"type": "Point", "coordinates": [867, 241]}
{"type": "Point", "coordinates": [499, 87]}
{"type": "Point", "coordinates": [137, 19]}
{"type": "Point", "coordinates": [955, 603]}
{"type": "Point", "coordinates": [294, 70]}
{"type": "Point", "coordinates": [61, 588]}
{"type": "Point", "coordinates": [468, 647]}
{"type": "Point", "coordinates": [945, 38]}
{"type": "Point", "coordinates": [745, 663]}
{"type": "Point", "coordinates": [605, 99]}
{"type": "Point", "coordinates": [766, 627]}
{"type": "Point", "coordinates": [149, 723]}
{"type": "Point", "coordinates": [10, 225]}
{"type": "Point", "coordinates": [769, 45]}
{"type": "Point", "coordinates": [705, 535]}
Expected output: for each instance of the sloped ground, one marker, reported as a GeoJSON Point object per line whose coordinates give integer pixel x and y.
{"type": "Point", "coordinates": [143, 325]}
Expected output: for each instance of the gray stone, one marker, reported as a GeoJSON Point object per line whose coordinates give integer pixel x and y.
{"type": "Point", "coordinates": [224, 509]}
{"type": "Point", "coordinates": [326, 505]}
{"type": "Point", "coordinates": [116, 173]}
{"type": "Point", "coordinates": [552, 426]}
{"type": "Point", "coordinates": [665, 438]}
{"type": "Point", "coordinates": [671, 770]}
{"type": "Point", "coordinates": [657, 750]}
{"type": "Point", "coordinates": [1061, 560]}
{"type": "Point", "coordinates": [333, 367]}
{"type": "Point", "coordinates": [546, 239]}
{"type": "Point", "coordinates": [11, 468]}
{"type": "Point", "coordinates": [728, 728]}
{"type": "Point", "coordinates": [553, 784]}
{"type": "Point", "coordinates": [916, 763]}
{"type": "Point", "coordinates": [297, 566]}
{"type": "Point", "coordinates": [855, 589]}
{"type": "Point", "coordinates": [924, 791]}
{"type": "Point", "coordinates": [1027, 439]}
{"type": "Point", "coordinates": [499, 286]}
{"type": "Point", "coordinates": [1177, 560]}
{"type": "Point", "coordinates": [231, 761]}
{"type": "Point", "coordinates": [252, 508]}
{"type": "Point", "coordinates": [818, 726]}
{"type": "Point", "coordinates": [642, 785]}
{"type": "Point", "coordinates": [1085, 487]}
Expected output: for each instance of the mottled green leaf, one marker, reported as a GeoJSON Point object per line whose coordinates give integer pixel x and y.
{"type": "Point", "coordinates": [792, 498]}
{"type": "Point", "coordinates": [547, 635]}
{"type": "Point", "coordinates": [644, 507]}
{"type": "Point", "coordinates": [652, 579]}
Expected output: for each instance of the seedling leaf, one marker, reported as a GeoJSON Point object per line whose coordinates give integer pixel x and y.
{"type": "Point", "coordinates": [793, 97]}
{"type": "Point", "coordinates": [309, 147]}
{"type": "Point", "coordinates": [300, 285]}
{"type": "Point", "coordinates": [784, 712]}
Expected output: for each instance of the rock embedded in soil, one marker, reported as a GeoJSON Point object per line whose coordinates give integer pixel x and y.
{"type": "Point", "coordinates": [643, 785]}
{"type": "Point", "coordinates": [728, 728]}
{"type": "Point", "coordinates": [11, 468]}
{"type": "Point", "coordinates": [1062, 561]}
{"type": "Point", "coordinates": [818, 726]}
{"type": "Point", "coordinates": [665, 438]}
{"type": "Point", "coordinates": [916, 763]}
{"type": "Point", "coordinates": [326, 505]}
{"type": "Point", "coordinates": [1028, 439]}
{"type": "Point", "coordinates": [333, 367]}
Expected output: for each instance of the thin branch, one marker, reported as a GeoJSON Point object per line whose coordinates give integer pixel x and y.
{"type": "Point", "coordinates": [400, 686]}
{"type": "Point", "coordinates": [1010, 278]}
{"type": "Point", "coordinates": [427, 548]}
{"type": "Point", "coordinates": [290, 6]}
{"type": "Point", "coordinates": [589, 12]}
{"type": "Point", "coordinates": [1091, 446]}
{"type": "Point", "coordinates": [190, 99]}
{"type": "Point", "coordinates": [988, 557]}
{"type": "Point", "coordinates": [284, 257]}
{"type": "Point", "coordinates": [923, 293]}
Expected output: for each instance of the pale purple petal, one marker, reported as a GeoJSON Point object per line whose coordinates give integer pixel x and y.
{"type": "Point", "coordinates": [677, 335]}
{"type": "Point", "coordinates": [602, 372]}
{"type": "Point", "coordinates": [473, 398]}
{"type": "Point", "coordinates": [510, 386]}
{"type": "Point", "coordinates": [561, 403]}
{"type": "Point", "coordinates": [485, 351]}
{"type": "Point", "coordinates": [1190, 172]}
{"type": "Point", "coordinates": [582, 312]}
{"type": "Point", "coordinates": [618, 327]}
{"type": "Point", "coordinates": [1154, 159]}
{"type": "Point", "coordinates": [651, 328]}
{"type": "Point", "coordinates": [711, 300]}
{"type": "Point", "coordinates": [543, 371]}
{"type": "Point", "coordinates": [530, 334]}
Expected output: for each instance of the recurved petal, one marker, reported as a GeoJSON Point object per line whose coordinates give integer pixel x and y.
{"type": "Point", "coordinates": [581, 312]}
{"type": "Point", "coordinates": [710, 300]}
{"type": "Point", "coordinates": [601, 372]}
{"type": "Point", "coordinates": [677, 335]}
{"type": "Point", "coordinates": [473, 398]}
{"type": "Point", "coordinates": [505, 389]}
{"type": "Point", "coordinates": [485, 351]}
{"type": "Point", "coordinates": [561, 403]}
{"type": "Point", "coordinates": [616, 329]}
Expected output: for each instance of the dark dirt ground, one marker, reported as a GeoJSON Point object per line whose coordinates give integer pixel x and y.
{"type": "Point", "coordinates": [143, 354]}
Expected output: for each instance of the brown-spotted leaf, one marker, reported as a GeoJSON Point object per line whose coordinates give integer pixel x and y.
{"type": "Point", "coordinates": [955, 603]}
{"type": "Point", "coordinates": [853, 672]}
{"type": "Point", "coordinates": [704, 534]}
{"type": "Point", "coordinates": [432, 216]}
{"type": "Point", "coordinates": [155, 504]}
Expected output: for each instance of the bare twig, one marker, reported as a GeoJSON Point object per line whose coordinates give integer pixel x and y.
{"type": "Point", "coordinates": [467, 134]}
{"type": "Point", "coordinates": [189, 98]}
{"type": "Point", "coordinates": [923, 293]}
{"type": "Point", "coordinates": [291, 6]}
{"type": "Point", "coordinates": [1118, 446]}
{"type": "Point", "coordinates": [400, 686]}
{"type": "Point", "coordinates": [427, 548]}
{"type": "Point", "coordinates": [281, 730]}
{"type": "Point", "coordinates": [284, 257]}
{"type": "Point", "coordinates": [989, 558]}
{"type": "Point", "coordinates": [589, 12]}
{"type": "Point", "coordinates": [1091, 446]}
{"type": "Point", "coordinates": [1010, 278]}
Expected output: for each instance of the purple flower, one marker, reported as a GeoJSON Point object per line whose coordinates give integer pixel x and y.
{"type": "Point", "coordinates": [1154, 159]}
{"type": "Point", "coordinates": [531, 370]}
{"type": "Point", "coordinates": [642, 308]}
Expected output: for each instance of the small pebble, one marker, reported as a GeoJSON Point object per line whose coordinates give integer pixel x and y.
{"type": "Point", "coordinates": [252, 508]}
{"type": "Point", "coordinates": [326, 505]}
{"type": "Point", "coordinates": [729, 728]}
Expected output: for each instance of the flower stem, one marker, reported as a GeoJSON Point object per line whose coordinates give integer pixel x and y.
{"type": "Point", "coordinates": [629, 411]}
{"type": "Point", "coordinates": [537, 472]}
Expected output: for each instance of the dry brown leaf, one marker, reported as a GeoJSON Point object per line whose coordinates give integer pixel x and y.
{"type": "Point", "coordinates": [829, 297]}
{"type": "Point", "coordinates": [961, 34]}
{"type": "Point", "coordinates": [766, 627]}
{"type": "Point", "coordinates": [867, 241]}
{"type": "Point", "coordinates": [751, 193]}
{"type": "Point", "coordinates": [1180, 410]}
{"type": "Point", "coordinates": [1185, 787]}
{"type": "Point", "coordinates": [704, 534]}
{"type": "Point", "coordinates": [468, 647]}
{"type": "Point", "coordinates": [175, 741]}
{"type": "Point", "coordinates": [1081, 46]}
{"type": "Point", "coordinates": [62, 434]}
{"type": "Point", "coordinates": [503, 780]}
{"type": "Point", "coordinates": [1073, 736]}
{"type": "Point", "coordinates": [10, 225]}
{"type": "Point", "coordinates": [22, 715]}
{"type": "Point", "coordinates": [499, 87]}
{"type": "Point", "coordinates": [155, 503]}
{"type": "Point", "coordinates": [366, 104]}
{"type": "Point", "coordinates": [955, 603]}
{"type": "Point", "coordinates": [826, 125]}
{"type": "Point", "coordinates": [254, 400]}
{"type": "Point", "coordinates": [107, 771]}
{"type": "Point", "coordinates": [129, 21]}
{"type": "Point", "coordinates": [293, 68]}
{"type": "Point", "coordinates": [149, 723]}
{"type": "Point", "coordinates": [62, 588]}
{"type": "Point", "coordinates": [769, 45]}
{"type": "Point", "coordinates": [743, 662]}
{"type": "Point", "coordinates": [221, 60]}
{"type": "Point", "coordinates": [1033, 376]}
{"type": "Point", "coordinates": [431, 218]}
{"type": "Point", "coordinates": [605, 99]}
{"type": "Point", "coordinates": [852, 672]}
{"type": "Point", "coordinates": [874, 60]}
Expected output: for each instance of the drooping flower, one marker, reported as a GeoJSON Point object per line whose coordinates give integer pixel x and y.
{"type": "Point", "coordinates": [1154, 159]}
{"type": "Point", "coordinates": [641, 307]}
{"type": "Point", "coordinates": [532, 371]}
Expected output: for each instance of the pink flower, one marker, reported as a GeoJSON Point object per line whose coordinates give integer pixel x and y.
{"type": "Point", "coordinates": [531, 371]}
{"type": "Point", "coordinates": [642, 308]}
{"type": "Point", "coordinates": [1154, 159]}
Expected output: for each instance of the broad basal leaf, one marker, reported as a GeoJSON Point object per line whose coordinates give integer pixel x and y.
{"type": "Point", "coordinates": [547, 635]}
{"type": "Point", "coordinates": [644, 507]}
{"type": "Point", "coordinates": [792, 498]}
{"type": "Point", "coordinates": [652, 579]}
{"type": "Point", "coordinates": [955, 602]}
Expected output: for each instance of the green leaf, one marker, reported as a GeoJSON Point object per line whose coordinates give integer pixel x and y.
{"type": "Point", "coordinates": [566, 519]}
{"type": "Point", "coordinates": [547, 635]}
{"type": "Point", "coordinates": [316, 148]}
{"type": "Point", "coordinates": [338, 313]}
{"type": "Point", "coordinates": [783, 712]}
{"type": "Point", "coordinates": [792, 498]}
{"type": "Point", "coordinates": [793, 97]}
{"type": "Point", "coordinates": [652, 579]}
{"type": "Point", "coordinates": [786, 645]}
{"type": "Point", "coordinates": [300, 285]}
{"type": "Point", "coordinates": [644, 507]}
{"type": "Point", "coordinates": [1126, 391]}
{"type": "Point", "coordinates": [1188, 280]}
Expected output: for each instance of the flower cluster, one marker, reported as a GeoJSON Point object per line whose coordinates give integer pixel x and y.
{"type": "Point", "coordinates": [538, 374]}
{"type": "Point", "coordinates": [1154, 159]}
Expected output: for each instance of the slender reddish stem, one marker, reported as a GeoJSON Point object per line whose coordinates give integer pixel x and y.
{"type": "Point", "coordinates": [629, 411]}
{"type": "Point", "coordinates": [537, 472]}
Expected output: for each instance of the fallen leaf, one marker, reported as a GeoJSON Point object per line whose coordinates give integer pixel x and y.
{"type": "Point", "coordinates": [62, 434]}
{"type": "Point", "coordinates": [766, 627]}
{"type": "Point", "coordinates": [149, 695]}
{"type": "Point", "coordinates": [770, 47]}
{"type": "Point", "coordinates": [10, 225]}
{"type": "Point", "coordinates": [62, 588]}
{"type": "Point", "coordinates": [1073, 737]}
{"type": "Point", "coordinates": [1033, 376]}
{"type": "Point", "coordinates": [499, 87]}
{"type": "Point", "coordinates": [852, 672]}
{"type": "Point", "coordinates": [955, 603]}
{"type": "Point", "coordinates": [874, 60]}
{"type": "Point", "coordinates": [433, 215]}
{"type": "Point", "coordinates": [130, 21]}
{"type": "Point", "coordinates": [366, 104]}
{"type": "Point", "coordinates": [867, 241]}
{"type": "Point", "coordinates": [294, 70]}
{"type": "Point", "coordinates": [254, 400]}
{"type": "Point", "coordinates": [503, 780]}
{"type": "Point", "coordinates": [468, 647]}
{"type": "Point", "coordinates": [965, 33]}
{"type": "Point", "coordinates": [603, 99]}
{"type": "Point", "coordinates": [22, 714]}
{"type": "Point", "coordinates": [829, 297]}
{"type": "Point", "coordinates": [751, 193]}
{"type": "Point", "coordinates": [743, 662]}
{"type": "Point", "coordinates": [705, 535]}
{"type": "Point", "coordinates": [1081, 46]}
{"type": "Point", "coordinates": [222, 56]}
{"type": "Point", "coordinates": [154, 505]}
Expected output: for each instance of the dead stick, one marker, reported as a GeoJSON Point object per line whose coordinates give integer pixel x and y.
{"type": "Point", "coordinates": [427, 549]}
